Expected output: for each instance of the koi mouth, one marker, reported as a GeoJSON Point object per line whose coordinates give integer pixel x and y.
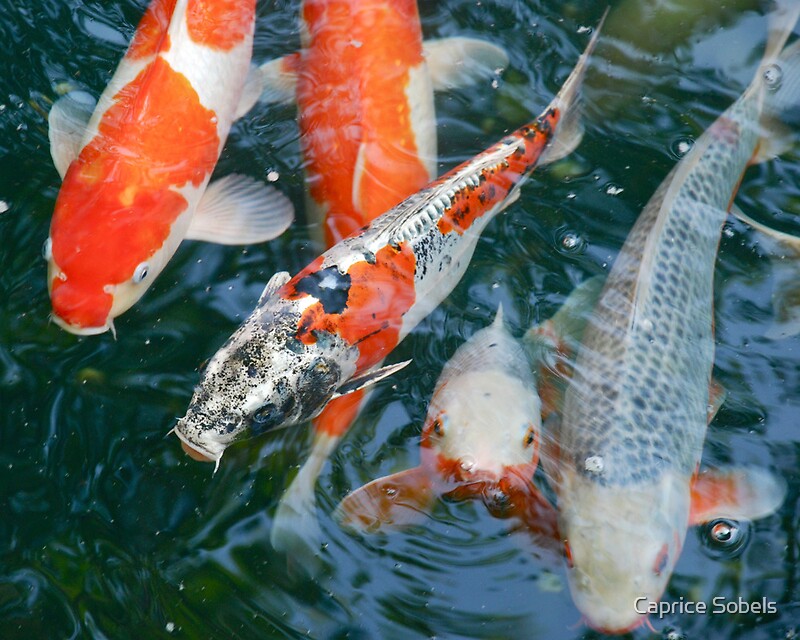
{"type": "Point", "coordinates": [79, 330]}
{"type": "Point", "coordinates": [196, 451]}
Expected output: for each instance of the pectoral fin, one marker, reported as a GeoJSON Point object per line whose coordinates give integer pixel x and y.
{"type": "Point", "coordinates": [741, 493]}
{"type": "Point", "coordinates": [369, 377]}
{"type": "Point", "coordinates": [277, 79]}
{"type": "Point", "coordinates": [460, 62]}
{"type": "Point", "coordinates": [393, 502]}
{"type": "Point", "coordinates": [275, 282]}
{"type": "Point", "coordinates": [67, 123]}
{"type": "Point", "coordinates": [237, 209]}
{"type": "Point", "coordinates": [785, 258]}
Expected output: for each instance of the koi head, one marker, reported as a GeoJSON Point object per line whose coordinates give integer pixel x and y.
{"type": "Point", "coordinates": [107, 244]}
{"type": "Point", "coordinates": [621, 544]}
{"type": "Point", "coordinates": [263, 379]}
{"type": "Point", "coordinates": [481, 423]}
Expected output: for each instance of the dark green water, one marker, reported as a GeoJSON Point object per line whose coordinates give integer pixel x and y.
{"type": "Point", "coordinates": [108, 531]}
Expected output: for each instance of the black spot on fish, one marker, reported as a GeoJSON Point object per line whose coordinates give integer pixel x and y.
{"type": "Point", "coordinates": [330, 286]}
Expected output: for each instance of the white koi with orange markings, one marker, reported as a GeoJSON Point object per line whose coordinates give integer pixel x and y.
{"type": "Point", "coordinates": [480, 441]}
{"type": "Point", "coordinates": [635, 415]}
{"type": "Point", "coordinates": [322, 333]}
{"type": "Point", "coordinates": [135, 173]}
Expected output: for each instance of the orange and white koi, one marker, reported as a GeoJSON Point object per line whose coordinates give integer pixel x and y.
{"type": "Point", "coordinates": [625, 465]}
{"type": "Point", "coordinates": [136, 168]}
{"type": "Point", "coordinates": [320, 334]}
{"type": "Point", "coordinates": [364, 83]}
{"type": "Point", "coordinates": [480, 441]}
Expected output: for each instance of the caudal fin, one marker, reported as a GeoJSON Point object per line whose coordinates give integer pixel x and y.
{"type": "Point", "coordinates": [295, 529]}
{"type": "Point", "coordinates": [567, 101]}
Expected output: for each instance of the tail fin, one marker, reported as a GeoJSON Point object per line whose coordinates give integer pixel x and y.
{"type": "Point", "coordinates": [567, 101]}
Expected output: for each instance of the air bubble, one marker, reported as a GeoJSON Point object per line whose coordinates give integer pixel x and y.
{"type": "Point", "coordinates": [724, 538]}
{"type": "Point", "coordinates": [681, 146]}
{"type": "Point", "coordinates": [594, 464]}
{"type": "Point", "coordinates": [569, 242]}
{"type": "Point", "coordinates": [613, 189]}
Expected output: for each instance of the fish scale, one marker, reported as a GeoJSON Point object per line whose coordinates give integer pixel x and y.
{"type": "Point", "coordinates": [663, 348]}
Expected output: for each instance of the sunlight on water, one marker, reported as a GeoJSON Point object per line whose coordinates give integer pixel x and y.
{"type": "Point", "coordinates": [109, 530]}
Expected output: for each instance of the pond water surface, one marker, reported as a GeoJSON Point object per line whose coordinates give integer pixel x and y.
{"type": "Point", "coordinates": [109, 531]}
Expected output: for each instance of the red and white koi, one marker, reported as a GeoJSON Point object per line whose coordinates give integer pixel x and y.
{"type": "Point", "coordinates": [321, 334]}
{"type": "Point", "coordinates": [480, 441]}
{"type": "Point", "coordinates": [363, 82]}
{"type": "Point", "coordinates": [625, 465]}
{"type": "Point", "coordinates": [136, 169]}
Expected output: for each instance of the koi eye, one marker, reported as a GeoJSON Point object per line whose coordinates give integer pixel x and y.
{"type": "Point", "coordinates": [438, 426]}
{"type": "Point", "coordinates": [661, 560]}
{"type": "Point", "coordinates": [266, 417]}
{"type": "Point", "coordinates": [140, 273]}
{"type": "Point", "coordinates": [530, 437]}
{"type": "Point", "coordinates": [47, 249]}
{"type": "Point", "coordinates": [724, 538]}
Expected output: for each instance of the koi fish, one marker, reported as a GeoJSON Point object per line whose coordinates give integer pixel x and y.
{"type": "Point", "coordinates": [363, 82]}
{"type": "Point", "coordinates": [482, 431]}
{"type": "Point", "coordinates": [320, 334]}
{"type": "Point", "coordinates": [480, 440]}
{"type": "Point", "coordinates": [136, 168]}
{"type": "Point", "coordinates": [624, 466]}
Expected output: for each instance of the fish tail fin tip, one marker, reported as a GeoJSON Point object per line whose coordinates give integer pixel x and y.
{"type": "Point", "coordinates": [570, 127]}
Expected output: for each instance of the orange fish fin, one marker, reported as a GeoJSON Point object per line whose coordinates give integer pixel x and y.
{"type": "Point", "coordinates": [739, 493]}
{"type": "Point", "coordinates": [461, 62]}
{"type": "Point", "coordinates": [399, 500]}
{"type": "Point", "coordinates": [238, 209]}
{"type": "Point", "coordinates": [277, 79]}
{"type": "Point", "coordinates": [66, 127]}
{"type": "Point", "coordinates": [539, 519]}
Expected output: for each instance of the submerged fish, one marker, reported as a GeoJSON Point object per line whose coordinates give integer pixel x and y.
{"type": "Point", "coordinates": [320, 334]}
{"type": "Point", "coordinates": [625, 464]}
{"type": "Point", "coordinates": [363, 82]}
{"type": "Point", "coordinates": [480, 440]}
{"type": "Point", "coordinates": [135, 168]}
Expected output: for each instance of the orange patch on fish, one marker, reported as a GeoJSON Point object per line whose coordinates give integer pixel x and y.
{"type": "Point", "coordinates": [117, 204]}
{"type": "Point", "coordinates": [355, 112]}
{"type": "Point", "coordinates": [496, 182]}
{"type": "Point", "coordinates": [158, 129]}
{"type": "Point", "coordinates": [72, 304]}
{"type": "Point", "coordinates": [377, 293]}
{"type": "Point", "coordinates": [339, 413]}
{"type": "Point", "coordinates": [220, 24]}
{"type": "Point", "coordinates": [151, 35]}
